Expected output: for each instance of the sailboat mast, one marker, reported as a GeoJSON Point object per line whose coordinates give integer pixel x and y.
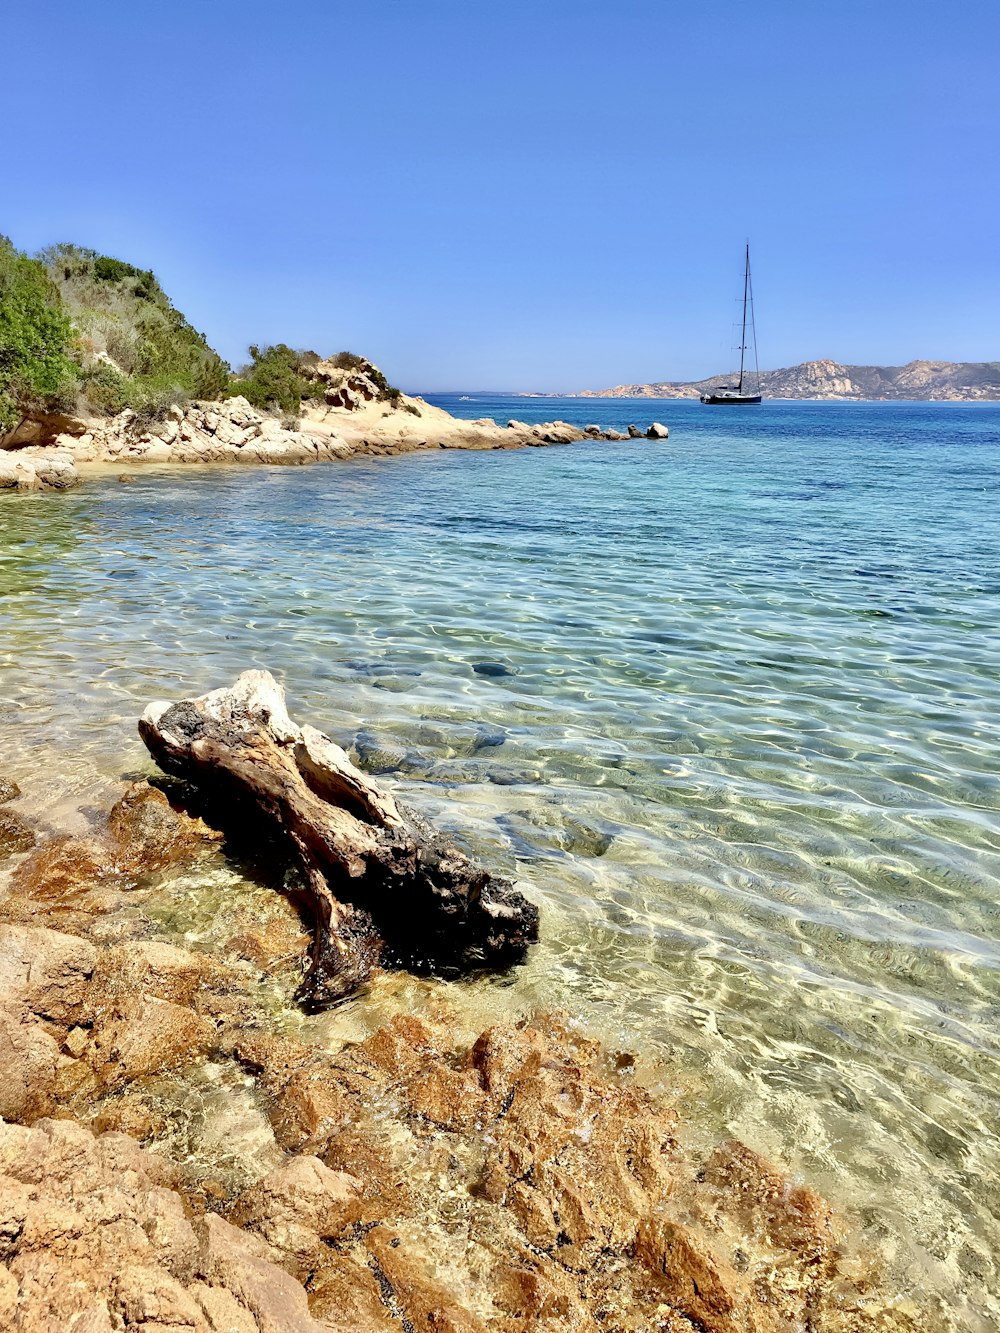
{"type": "Point", "coordinates": [743, 335]}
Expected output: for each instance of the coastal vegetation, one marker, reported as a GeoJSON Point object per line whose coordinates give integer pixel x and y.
{"type": "Point", "coordinates": [273, 380]}
{"type": "Point", "coordinates": [37, 369]}
{"type": "Point", "coordinates": [281, 379]}
{"type": "Point", "coordinates": [88, 334]}
{"type": "Point", "coordinates": [134, 349]}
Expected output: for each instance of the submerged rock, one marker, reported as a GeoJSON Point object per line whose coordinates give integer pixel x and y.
{"type": "Point", "coordinates": [528, 1182]}
{"type": "Point", "coordinates": [151, 834]}
{"type": "Point", "coordinates": [74, 883]}
{"type": "Point", "coordinates": [15, 834]}
{"type": "Point", "coordinates": [494, 669]}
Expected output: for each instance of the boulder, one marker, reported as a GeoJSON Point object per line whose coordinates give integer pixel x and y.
{"type": "Point", "coordinates": [140, 1035]}
{"type": "Point", "coordinates": [29, 1060]}
{"type": "Point", "coordinates": [41, 428]}
{"type": "Point", "coordinates": [297, 1208]}
{"type": "Point", "coordinates": [150, 834]}
{"type": "Point", "coordinates": [55, 468]}
{"type": "Point", "coordinates": [657, 431]}
{"type": "Point", "coordinates": [36, 469]}
{"type": "Point", "coordinates": [96, 1237]}
{"type": "Point", "coordinates": [17, 474]}
{"type": "Point", "coordinates": [43, 972]}
{"type": "Point", "coordinates": [635, 433]}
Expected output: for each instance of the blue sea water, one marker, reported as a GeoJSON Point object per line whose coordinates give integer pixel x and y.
{"type": "Point", "coordinates": [728, 706]}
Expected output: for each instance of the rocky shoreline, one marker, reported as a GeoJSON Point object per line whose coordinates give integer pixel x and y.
{"type": "Point", "coordinates": [351, 419]}
{"type": "Point", "coordinates": [409, 1180]}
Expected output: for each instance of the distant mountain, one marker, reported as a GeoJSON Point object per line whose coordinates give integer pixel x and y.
{"type": "Point", "coordinates": [958, 381]}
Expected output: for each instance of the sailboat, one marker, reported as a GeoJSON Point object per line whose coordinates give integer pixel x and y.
{"type": "Point", "coordinates": [732, 394]}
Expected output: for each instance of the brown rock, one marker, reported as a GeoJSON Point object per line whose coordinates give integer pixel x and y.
{"type": "Point", "coordinates": [347, 1298]}
{"type": "Point", "coordinates": [792, 1216]}
{"type": "Point", "coordinates": [130, 1114]}
{"type": "Point", "coordinates": [281, 941]}
{"type": "Point", "coordinates": [309, 1110]}
{"type": "Point", "coordinates": [697, 1282]}
{"type": "Point", "coordinates": [232, 1259]}
{"type": "Point", "coordinates": [9, 791]}
{"type": "Point", "coordinates": [61, 870]}
{"type": "Point", "coordinates": [29, 1058]}
{"type": "Point", "coordinates": [449, 1098]}
{"type": "Point", "coordinates": [412, 1289]}
{"type": "Point", "coordinates": [143, 1036]}
{"type": "Point", "coordinates": [94, 1239]}
{"type": "Point", "coordinates": [44, 972]}
{"type": "Point", "coordinates": [534, 1290]}
{"type": "Point", "coordinates": [153, 967]}
{"type": "Point", "coordinates": [296, 1208]}
{"type": "Point", "coordinates": [271, 1059]}
{"type": "Point", "coordinates": [150, 1299]}
{"type": "Point", "coordinates": [15, 834]}
{"type": "Point", "coordinates": [150, 834]}
{"type": "Point", "coordinates": [223, 1310]}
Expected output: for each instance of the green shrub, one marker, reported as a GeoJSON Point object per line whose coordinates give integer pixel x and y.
{"type": "Point", "coordinates": [123, 312]}
{"type": "Point", "coordinates": [36, 338]}
{"type": "Point", "coordinates": [273, 380]}
{"type": "Point", "coordinates": [105, 390]}
{"type": "Point", "coordinates": [349, 361]}
{"type": "Point", "coordinates": [386, 391]}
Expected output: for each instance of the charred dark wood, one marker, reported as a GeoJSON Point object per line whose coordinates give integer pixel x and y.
{"type": "Point", "coordinates": [376, 878]}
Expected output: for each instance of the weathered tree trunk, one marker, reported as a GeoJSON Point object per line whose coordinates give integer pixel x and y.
{"type": "Point", "coordinates": [374, 874]}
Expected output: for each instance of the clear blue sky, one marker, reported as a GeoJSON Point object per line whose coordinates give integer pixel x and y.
{"type": "Point", "coordinates": [541, 194]}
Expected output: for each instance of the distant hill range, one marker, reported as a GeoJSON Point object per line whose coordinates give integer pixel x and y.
{"type": "Point", "coordinates": [940, 381]}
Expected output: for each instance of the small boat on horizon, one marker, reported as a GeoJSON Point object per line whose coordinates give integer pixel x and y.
{"type": "Point", "coordinates": [732, 395]}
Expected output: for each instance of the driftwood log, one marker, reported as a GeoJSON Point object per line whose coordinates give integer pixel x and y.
{"type": "Point", "coordinates": [375, 877]}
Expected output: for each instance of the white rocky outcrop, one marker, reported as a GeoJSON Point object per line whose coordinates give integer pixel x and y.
{"type": "Point", "coordinates": [354, 417]}
{"type": "Point", "coordinates": [345, 386]}
{"type": "Point", "coordinates": [215, 432]}
{"type": "Point", "coordinates": [38, 468]}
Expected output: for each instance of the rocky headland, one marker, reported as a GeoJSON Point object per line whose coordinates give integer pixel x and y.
{"type": "Point", "coordinates": [98, 368]}
{"type": "Point", "coordinates": [933, 381]}
{"type": "Point", "coordinates": [349, 418]}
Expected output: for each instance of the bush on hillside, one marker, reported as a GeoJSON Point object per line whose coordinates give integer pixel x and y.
{"type": "Point", "coordinates": [273, 380]}
{"type": "Point", "coordinates": [36, 338]}
{"type": "Point", "coordinates": [351, 361]}
{"type": "Point", "coordinates": [128, 326]}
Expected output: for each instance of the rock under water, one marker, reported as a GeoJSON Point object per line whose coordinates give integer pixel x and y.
{"type": "Point", "coordinates": [411, 1180]}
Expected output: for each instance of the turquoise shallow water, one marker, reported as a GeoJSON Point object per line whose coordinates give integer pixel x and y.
{"type": "Point", "coordinates": [729, 708]}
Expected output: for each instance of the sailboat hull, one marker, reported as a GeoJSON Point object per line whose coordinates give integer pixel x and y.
{"type": "Point", "coordinates": [730, 399]}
